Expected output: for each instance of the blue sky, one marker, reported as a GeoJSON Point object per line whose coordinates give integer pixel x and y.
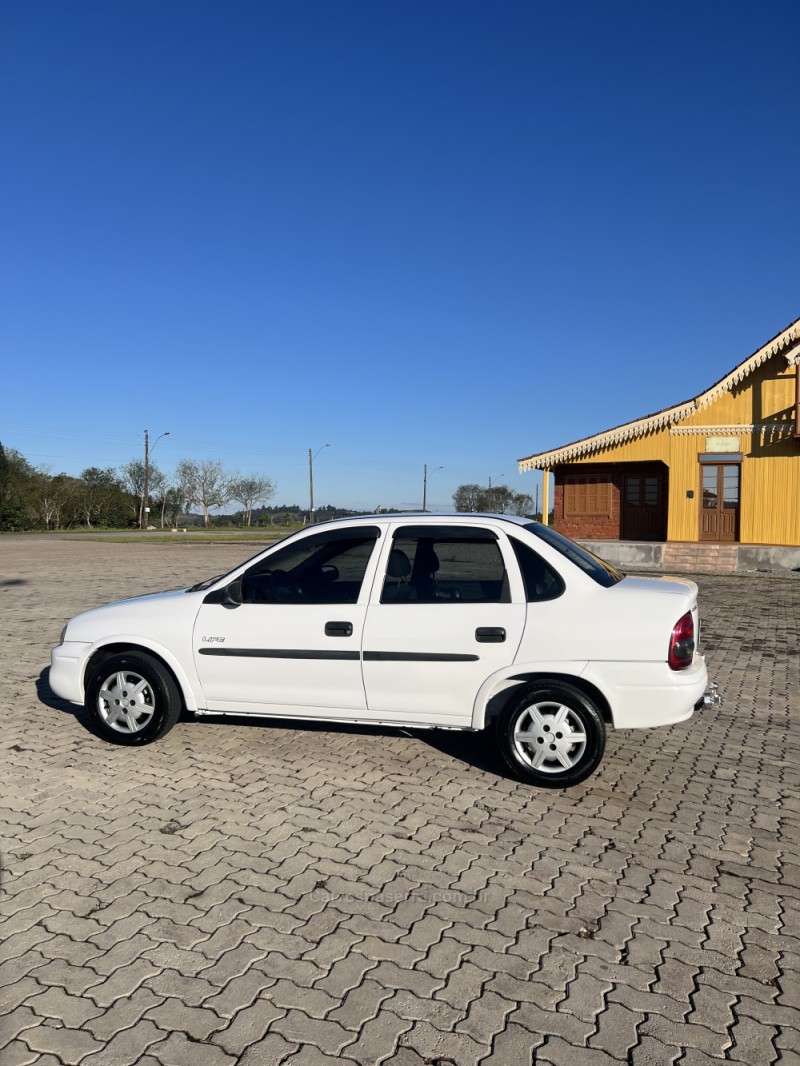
{"type": "Point", "coordinates": [451, 233]}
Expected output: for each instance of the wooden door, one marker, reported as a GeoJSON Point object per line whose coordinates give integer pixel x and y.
{"type": "Point", "coordinates": [719, 502]}
{"type": "Point", "coordinates": [642, 507]}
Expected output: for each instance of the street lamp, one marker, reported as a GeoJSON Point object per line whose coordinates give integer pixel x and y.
{"type": "Point", "coordinates": [425, 485]}
{"type": "Point", "coordinates": [495, 477]}
{"type": "Point", "coordinates": [147, 449]}
{"type": "Point", "coordinates": [311, 459]}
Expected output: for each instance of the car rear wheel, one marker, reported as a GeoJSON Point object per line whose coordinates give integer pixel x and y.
{"type": "Point", "coordinates": [551, 735]}
{"type": "Point", "coordinates": [132, 699]}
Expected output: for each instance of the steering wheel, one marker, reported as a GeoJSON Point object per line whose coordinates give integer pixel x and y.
{"type": "Point", "coordinates": [283, 588]}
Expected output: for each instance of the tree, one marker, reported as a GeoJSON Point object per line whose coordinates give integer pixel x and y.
{"type": "Point", "coordinates": [52, 494]}
{"type": "Point", "coordinates": [467, 498]}
{"type": "Point", "coordinates": [172, 503]}
{"type": "Point", "coordinates": [497, 499]}
{"type": "Point", "coordinates": [522, 504]}
{"type": "Point", "coordinates": [4, 476]}
{"type": "Point", "coordinates": [17, 509]}
{"type": "Point", "coordinates": [204, 484]}
{"type": "Point", "coordinates": [100, 495]}
{"type": "Point", "coordinates": [248, 491]}
{"type": "Point", "coordinates": [133, 479]}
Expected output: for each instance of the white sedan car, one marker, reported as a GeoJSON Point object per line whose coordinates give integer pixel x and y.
{"type": "Point", "coordinates": [458, 622]}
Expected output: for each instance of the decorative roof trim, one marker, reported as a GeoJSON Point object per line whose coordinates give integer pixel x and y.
{"type": "Point", "coordinates": [788, 338]}
{"type": "Point", "coordinates": [717, 431]}
{"type": "Point", "coordinates": [618, 435]}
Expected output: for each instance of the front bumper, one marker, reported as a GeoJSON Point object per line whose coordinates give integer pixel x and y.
{"type": "Point", "coordinates": [67, 664]}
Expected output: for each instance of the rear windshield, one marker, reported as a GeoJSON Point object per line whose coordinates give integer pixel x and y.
{"type": "Point", "coordinates": [598, 569]}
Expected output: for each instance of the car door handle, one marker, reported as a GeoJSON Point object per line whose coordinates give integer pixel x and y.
{"type": "Point", "coordinates": [338, 629]}
{"type": "Point", "coordinates": [490, 634]}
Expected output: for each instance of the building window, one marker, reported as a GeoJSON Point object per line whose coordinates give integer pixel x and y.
{"type": "Point", "coordinates": [586, 496]}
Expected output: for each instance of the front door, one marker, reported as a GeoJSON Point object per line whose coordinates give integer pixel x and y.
{"type": "Point", "coordinates": [719, 504]}
{"type": "Point", "coordinates": [643, 507]}
{"type": "Point", "coordinates": [294, 639]}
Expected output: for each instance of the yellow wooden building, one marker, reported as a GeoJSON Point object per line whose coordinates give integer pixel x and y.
{"type": "Point", "coordinates": [721, 468]}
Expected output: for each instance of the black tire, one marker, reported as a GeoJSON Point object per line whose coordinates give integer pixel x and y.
{"type": "Point", "coordinates": [564, 734]}
{"type": "Point", "coordinates": [132, 699]}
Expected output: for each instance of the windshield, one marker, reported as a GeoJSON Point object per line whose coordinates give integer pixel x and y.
{"type": "Point", "coordinates": [207, 582]}
{"type": "Point", "coordinates": [598, 569]}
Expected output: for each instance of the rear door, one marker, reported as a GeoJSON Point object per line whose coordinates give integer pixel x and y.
{"type": "Point", "coordinates": [447, 611]}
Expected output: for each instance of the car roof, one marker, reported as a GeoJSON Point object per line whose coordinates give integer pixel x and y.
{"type": "Point", "coordinates": [427, 517]}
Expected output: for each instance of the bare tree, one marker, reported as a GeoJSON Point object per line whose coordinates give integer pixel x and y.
{"type": "Point", "coordinates": [497, 499]}
{"type": "Point", "coordinates": [52, 495]}
{"type": "Point", "coordinates": [521, 504]}
{"type": "Point", "coordinates": [204, 484]}
{"type": "Point", "coordinates": [467, 498]}
{"type": "Point", "coordinates": [248, 491]}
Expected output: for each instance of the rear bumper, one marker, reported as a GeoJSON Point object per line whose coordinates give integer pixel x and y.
{"type": "Point", "coordinates": [643, 695]}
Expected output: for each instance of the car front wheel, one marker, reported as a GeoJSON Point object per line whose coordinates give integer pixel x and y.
{"type": "Point", "coordinates": [132, 699]}
{"type": "Point", "coordinates": [551, 734]}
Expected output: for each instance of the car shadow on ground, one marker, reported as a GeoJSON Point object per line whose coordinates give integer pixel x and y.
{"type": "Point", "coordinates": [466, 747]}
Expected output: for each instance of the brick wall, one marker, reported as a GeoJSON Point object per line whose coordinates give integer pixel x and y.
{"type": "Point", "coordinates": [589, 527]}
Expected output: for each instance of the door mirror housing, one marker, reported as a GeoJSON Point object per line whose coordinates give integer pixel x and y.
{"type": "Point", "coordinates": [232, 594]}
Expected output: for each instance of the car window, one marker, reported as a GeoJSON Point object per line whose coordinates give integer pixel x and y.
{"type": "Point", "coordinates": [326, 568]}
{"type": "Point", "coordinates": [541, 581]}
{"type": "Point", "coordinates": [598, 569]}
{"type": "Point", "coordinates": [435, 564]}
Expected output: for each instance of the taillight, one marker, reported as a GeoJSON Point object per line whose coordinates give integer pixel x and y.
{"type": "Point", "coordinates": [681, 643]}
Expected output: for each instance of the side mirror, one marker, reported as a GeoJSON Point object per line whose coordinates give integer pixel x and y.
{"type": "Point", "coordinates": [232, 594]}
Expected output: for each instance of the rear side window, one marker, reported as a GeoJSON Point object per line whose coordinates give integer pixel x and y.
{"type": "Point", "coordinates": [433, 564]}
{"type": "Point", "coordinates": [540, 579]}
{"type": "Point", "coordinates": [597, 569]}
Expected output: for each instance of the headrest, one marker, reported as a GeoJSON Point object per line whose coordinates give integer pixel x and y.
{"type": "Point", "coordinates": [399, 566]}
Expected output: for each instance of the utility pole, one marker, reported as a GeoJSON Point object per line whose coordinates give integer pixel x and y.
{"type": "Point", "coordinates": [311, 459]}
{"type": "Point", "coordinates": [425, 485]}
{"type": "Point", "coordinates": [310, 488]}
{"type": "Point", "coordinates": [143, 523]}
{"type": "Point", "coordinates": [143, 519]}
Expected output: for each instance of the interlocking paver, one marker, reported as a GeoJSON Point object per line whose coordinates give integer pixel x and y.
{"type": "Point", "coordinates": [18, 1054]}
{"type": "Point", "coordinates": [177, 1050]}
{"type": "Point", "coordinates": [70, 1046]}
{"type": "Point", "coordinates": [617, 1031]}
{"type": "Point", "coordinates": [125, 1049]}
{"type": "Point", "coordinates": [72, 1011]}
{"type": "Point", "coordinates": [381, 889]}
{"type": "Point", "coordinates": [273, 1050]}
{"type": "Point", "coordinates": [11, 1025]}
{"type": "Point", "coordinates": [123, 1014]}
{"type": "Point", "coordinates": [329, 1036]}
{"type": "Point", "coordinates": [248, 1027]}
{"type": "Point", "coordinates": [197, 1022]}
{"type": "Point", "coordinates": [360, 1004]}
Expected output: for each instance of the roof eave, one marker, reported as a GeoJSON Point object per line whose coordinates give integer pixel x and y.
{"type": "Point", "coordinates": [787, 341]}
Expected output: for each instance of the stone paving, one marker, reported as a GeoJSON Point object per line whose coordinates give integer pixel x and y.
{"type": "Point", "coordinates": [275, 894]}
